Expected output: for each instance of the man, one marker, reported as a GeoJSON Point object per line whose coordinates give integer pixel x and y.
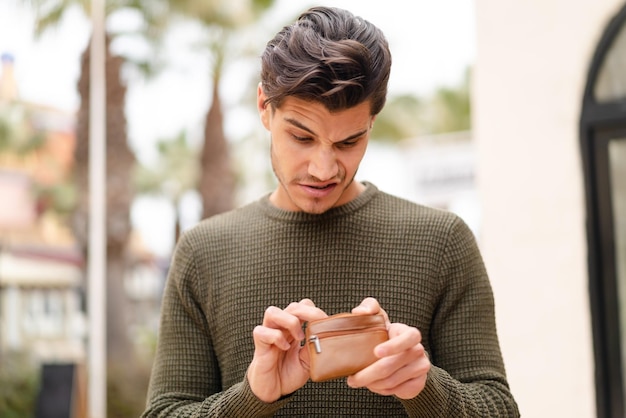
{"type": "Point", "coordinates": [242, 284]}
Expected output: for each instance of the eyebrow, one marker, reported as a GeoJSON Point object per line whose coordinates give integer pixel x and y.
{"type": "Point", "coordinates": [297, 124]}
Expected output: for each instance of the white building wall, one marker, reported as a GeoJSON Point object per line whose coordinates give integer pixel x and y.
{"type": "Point", "coordinates": [530, 72]}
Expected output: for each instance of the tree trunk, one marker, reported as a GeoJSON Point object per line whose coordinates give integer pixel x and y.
{"type": "Point", "coordinates": [217, 181]}
{"type": "Point", "coordinates": [119, 196]}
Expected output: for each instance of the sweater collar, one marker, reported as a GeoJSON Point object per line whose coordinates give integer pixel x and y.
{"type": "Point", "coordinates": [293, 216]}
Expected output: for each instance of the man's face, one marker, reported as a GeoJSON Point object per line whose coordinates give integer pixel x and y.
{"type": "Point", "coordinates": [315, 153]}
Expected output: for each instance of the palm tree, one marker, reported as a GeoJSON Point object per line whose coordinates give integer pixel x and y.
{"type": "Point", "coordinates": [120, 158]}
{"type": "Point", "coordinates": [217, 181]}
{"type": "Point", "coordinates": [221, 18]}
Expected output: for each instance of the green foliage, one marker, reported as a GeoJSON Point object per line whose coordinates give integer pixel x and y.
{"type": "Point", "coordinates": [6, 132]}
{"type": "Point", "coordinates": [17, 135]}
{"type": "Point", "coordinates": [261, 5]}
{"type": "Point", "coordinates": [61, 197]}
{"type": "Point", "coordinates": [19, 380]}
{"type": "Point", "coordinates": [175, 172]}
{"type": "Point", "coordinates": [222, 13]}
{"type": "Point", "coordinates": [20, 138]}
{"type": "Point", "coordinates": [127, 383]}
{"type": "Point", "coordinates": [408, 116]}
{"type": "Point", "coordinates": [127, 387]}
{"type": "Point", "coordinates": [154, 15]}
{"type": "Point", "coordinates": [399, 119]}
{"type": "Point", "coordinates": [453, 110]}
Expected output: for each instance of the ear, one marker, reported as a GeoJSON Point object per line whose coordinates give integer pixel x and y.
{"type": "Point", "coordinates": [263, 107]}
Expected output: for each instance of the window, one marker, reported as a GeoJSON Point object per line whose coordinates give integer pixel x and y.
{"type": "Point", "coordinates": [617, 184]}
{"type": "Point", "coordinates": [603, 147]}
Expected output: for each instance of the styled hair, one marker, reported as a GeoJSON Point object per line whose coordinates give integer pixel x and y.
{"type": "Point", "coordinates": [328, 56]}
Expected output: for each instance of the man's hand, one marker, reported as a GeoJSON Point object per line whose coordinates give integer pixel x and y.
{"type": "Point", "coordinates": [402, 366]}
{"type": "Point", "coordinates": [276, 367]}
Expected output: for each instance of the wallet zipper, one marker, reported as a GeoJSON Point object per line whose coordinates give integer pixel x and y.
{"type": "Point", "coordinates": [315, 339]}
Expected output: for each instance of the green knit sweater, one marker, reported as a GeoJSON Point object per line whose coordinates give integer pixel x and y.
{"type": "Point", "coordinates": [421, 264]}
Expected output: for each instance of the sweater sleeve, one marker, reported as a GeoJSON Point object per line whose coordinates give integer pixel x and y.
{"type": "Point", "coordinates": [467, 377]}
{"type": "Point", "coordinates": [185, 378]}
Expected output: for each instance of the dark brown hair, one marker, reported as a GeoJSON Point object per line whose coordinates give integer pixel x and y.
{"type": "Point", "coordinates": [329, 56]}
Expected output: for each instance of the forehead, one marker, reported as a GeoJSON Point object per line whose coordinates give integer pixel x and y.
{"type": "Point", "coordinates": [317, 120]}
{"type": "Point", "coordinates": [310, 108]}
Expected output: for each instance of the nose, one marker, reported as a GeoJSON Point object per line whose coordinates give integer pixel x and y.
{"type": "Point", "coordinates": [323, 164]}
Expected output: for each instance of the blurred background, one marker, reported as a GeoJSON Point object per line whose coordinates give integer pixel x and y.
{"type": "Point", "coordinates": [511, 115]}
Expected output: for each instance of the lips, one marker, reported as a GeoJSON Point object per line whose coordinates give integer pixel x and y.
{"type": "Point", "coordinates": [319, 190]}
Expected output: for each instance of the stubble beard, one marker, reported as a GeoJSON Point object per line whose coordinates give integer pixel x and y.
{"type": "Point", "coordinates": [316, 206]}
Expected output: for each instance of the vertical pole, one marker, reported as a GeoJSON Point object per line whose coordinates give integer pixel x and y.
{"type": "Point", "coordinates": [96, 268]}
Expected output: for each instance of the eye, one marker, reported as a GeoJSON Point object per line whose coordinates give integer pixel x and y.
{"type": "Point", "coordinates": [348, 144]}
{"type": "Point", "coordinates": [301, 138]}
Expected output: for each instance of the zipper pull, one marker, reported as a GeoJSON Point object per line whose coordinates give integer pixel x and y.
{"type": "Point", "coordinates": [304, 324]}
{"type": "Point", "coordinates": [316, 341]}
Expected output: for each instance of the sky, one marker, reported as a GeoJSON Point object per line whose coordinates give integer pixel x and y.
{"type": "Point", "coordinates": [432, 43]}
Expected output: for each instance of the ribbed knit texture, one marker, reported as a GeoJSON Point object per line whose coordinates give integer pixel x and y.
{"type": "Point", "coordinates": [421, 264]}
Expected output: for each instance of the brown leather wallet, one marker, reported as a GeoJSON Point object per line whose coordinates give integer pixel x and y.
{"type": "Point", "coordinates": [342, 344]}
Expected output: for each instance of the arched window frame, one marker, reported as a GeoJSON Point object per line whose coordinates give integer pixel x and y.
{"type": "Point", "coordinates": [599, 123]}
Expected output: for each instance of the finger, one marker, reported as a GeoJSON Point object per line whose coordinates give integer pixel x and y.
{"type": "Point", "coordinates": [387, 366]}
{"type": "Point", "coordinates": [369, 306]}
{"type": "Point", "coordinates": [401, 337]}
{"type": "Point", "coordinates": [406, 390]}
{"type": "Point", "coordinates": [305, 360]}
{"type": "Point", "coordinates": [403, 348]}
{"type": "Point", "coordinates": [305, 310]}
{"type": "Point", "coordinates": [307, 301]}
{"type": "Point", "coordinates": [407, 382]}
{"type": "Point", "coordinates": [265, 337]}
{"type": "Point", "coordinates": [388, 374]}
{"type": "Point", "coordinates": [283, 320]}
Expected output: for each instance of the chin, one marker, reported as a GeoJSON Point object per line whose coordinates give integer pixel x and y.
{"type": "Point", "coordinates": [317, 207]}
{"type": "Point", "coordinates": [317, 210]}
